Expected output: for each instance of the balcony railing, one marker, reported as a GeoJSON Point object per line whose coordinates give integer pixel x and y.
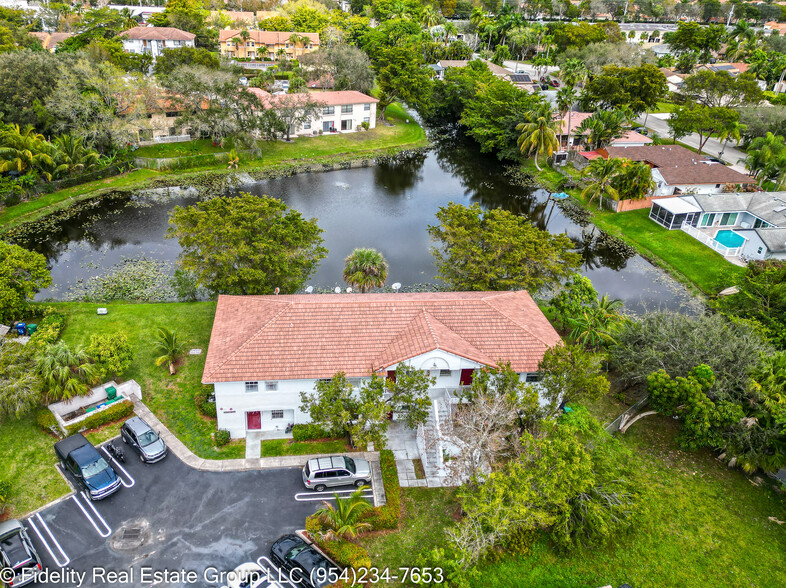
{"type": "Point", "coordinates": [710, 242]}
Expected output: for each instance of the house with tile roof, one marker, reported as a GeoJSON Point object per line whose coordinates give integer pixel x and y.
{"type": "Point", "coordinates": [265, 350]}
{"type": "Point", "coordinates": [344, 111]}
{"type": "Point", "coordinates": [266, 44]}
{"type": "Point", "coordinates": [153, 40]}
{"type": "Point", "coordinates": [50, 41]}
{"type": "Point", "coordinates": [677, 170]}
{"type": "Point", "coordinates": [628, 139]}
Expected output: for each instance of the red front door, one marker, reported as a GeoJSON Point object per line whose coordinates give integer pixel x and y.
{"type": "Point", "coordinates": [466, 377]}
{"type": "Point", "coordinates": [254, 420]}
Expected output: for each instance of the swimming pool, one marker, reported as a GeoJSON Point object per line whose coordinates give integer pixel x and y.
{"type": "Point", "coordinates": [729, 238]}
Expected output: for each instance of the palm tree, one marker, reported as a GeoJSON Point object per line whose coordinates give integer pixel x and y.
{"type": "Point", "coordinates": [539, 135]}
{"type": "Point", "coordinates": [430, 17]}
{"type": "Point", "coordinates": [66, 373]}
{"type": "Point", "coordinates": [24, 150]}
{"type": "Point", "coordinates": [766, 159]}
{"type": "Point", "coordinates": [602, 127]}
{"type": "Point", "coordinates": [345, 519]}
{"type": "Point", "coordinates": [573, 72]}
{"type": "Point", "coordinates": [365, 269]}
{"type": "Point", "coordinates": [294, 38]}
{"type": "Point", "coordinates": [72, 156]}
{"type": "Point", "coordinates": [168, 348]}
{"type": "Point", "coordinates": [566, 98]}
{"type": "Point", "coordinates": [602, 172]}
{"type": "Point", "coordinates": [594, 328]}
{"type": "Point", "coordinates": [634, 180]}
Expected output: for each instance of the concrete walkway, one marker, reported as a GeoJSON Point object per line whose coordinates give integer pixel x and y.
{"type": "Point", "coordinates": [178, 448]}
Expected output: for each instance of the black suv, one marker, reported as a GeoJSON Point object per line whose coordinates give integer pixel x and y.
{"type": "Point", "coordinates": [18, 555]}
{"type": "Point", "coordinates": [144, 440]}
{"type": "Point", "coordinates": [91, 471]}
{"type": "Point", "coordinates": [303, 564]}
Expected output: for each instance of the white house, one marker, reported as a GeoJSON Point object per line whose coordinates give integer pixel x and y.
{"type": "Point", "coordinates": [265, 350]}
{"type": "Point", "coordinates": [677, 170]}
{"type": "Point", "coordinates": [628, 139]}
{"type": "Point", "coordinates": [154, 40]}
{"type": "Point", "coordinates": [747, 224]}
{"type": "Point", "coordinates": [344, 111]}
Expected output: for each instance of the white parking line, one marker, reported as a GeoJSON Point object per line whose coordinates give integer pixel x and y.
{"type": "Point", "coordinates": [45, 527]}
{"type": "Point", "coordinates": [107, 529]}
{"type": "Point", "coordinates": [274, 573]}
{"type": "Point", "coordinates": [116, 464]}
{"type": "Point", "coordinates": [320, 496]}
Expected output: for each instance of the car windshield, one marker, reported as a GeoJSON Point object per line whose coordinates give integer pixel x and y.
{"type": "Point", "coordinates": [296, 551]}
{"type": "Point", "coordinates": [350, 464]}
{"type": "Point", "coordinates": [147, 438]}
{"type": "Point", "coordinates": [94, 468]}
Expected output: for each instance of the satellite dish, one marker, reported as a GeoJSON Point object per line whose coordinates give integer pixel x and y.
{"type": "Point", "coordinates": [276, 291]}
{"type": "Point", "coordinates": [397, 286]}
{"type": "Point", "coordinates": [309, 289]}
{"type": "Point", "coordinates": [349, 290]}
{"type": "Point", "coordinates": [337, 290]}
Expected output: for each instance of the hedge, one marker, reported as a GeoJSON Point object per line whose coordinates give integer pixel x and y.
{"type": "Point", "coordinates": [221, 437]}
{"type": "Point", "coordinates": [346, 554]}
{"type": "Point", "coordinates": [46, 420]}
{"type": "Point", "coordinates": [203, 404]}
{"type": "Point", "coordinates": [387, 516]}
{"type": "Point", "coordinates": [48, 330]}
{"type": "Point", "coordinates": [309, 432]}
{"type": "Point", "coordinates": [113, 413]}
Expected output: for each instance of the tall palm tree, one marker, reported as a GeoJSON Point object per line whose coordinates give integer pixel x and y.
{"type": "Point", "coordinates": [602, 172]}
{"type": "Point", "coordinates": [766, 159]}
{"type": "Point", "coordinates": [295, 38]}
{"type": "Point", "coordinates": [66, 372]}
{"type": "Point", "coordinates": [430, 17]}
{"type": "Point", "coordinates": [634, 180]}
{"type": "Point", "coordinates": [573, 72]}
{"type": "Point", "coordinates": [593, 328]}
{"type": "Point", "coordinates": [365, 269]}
{"type": "Point", "coordinates": [72, 156]}
{"type": "Point", "coordinates": [345, 519]}
{"type": "Point", "coordinates": [602, 127]}
{"type": "Point", "coordinates": [539, 135]}
{"type": "Point", "coordinates": [566, 98]}
{"type": "Point", "coordinates": [168, 348]}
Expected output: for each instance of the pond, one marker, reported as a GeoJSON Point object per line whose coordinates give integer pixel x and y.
{"type": "Point", "coordinates": [387, 207]}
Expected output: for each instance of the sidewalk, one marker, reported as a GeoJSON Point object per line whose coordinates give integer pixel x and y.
{"type": "Point", "coordinates": [178, 448]}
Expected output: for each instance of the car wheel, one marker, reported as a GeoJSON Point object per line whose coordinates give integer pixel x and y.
{"type": "Point", "coordinates": [123, 437]}
{"type": "Point", "coordinates": [320, 488]}
{"type": "Point", "coordinates": [360, 483]}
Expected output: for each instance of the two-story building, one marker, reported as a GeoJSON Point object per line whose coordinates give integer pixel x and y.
{"type": "Point", "coordinates": [153, 40]}
{"type": "Point", "coordinates": [248, 44]}
{"type": "Point", "coordinates": [265, 351]}
{"type": "Point", "coordinates": [344, 111]}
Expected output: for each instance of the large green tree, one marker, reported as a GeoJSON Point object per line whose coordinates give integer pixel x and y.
{"type": "Point", "coordinates": [171, 59]}
{"type": "Point", "coordinates": [22, 274]}
{"type": "Point", "coordinates": [497, 250]}
{"type": "Point", "coordinates": [569, 374]}
{"type": "Point", "coordinates": [721, 89]}
{"type": "Point", "coordinates": [538, 134]}
{"type": "Point", "coordinates": [705, 121]}
{"type": "Point", "coordinates": [247, 244]}
{"type": "Point", "coordinates": [639, 88]}
{"type": "Point", "coordinates": [409, 394]}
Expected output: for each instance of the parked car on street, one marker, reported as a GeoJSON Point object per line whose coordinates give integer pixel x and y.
{"type": "Point", "coordinates": [19, 561]}
{"type": "Point", "coordinates": [325, 472]}
{"type": "Point", "coordinates": [143, 439]}
{"type": "Point", "coordinates": [302, 562]}
{"type": "Point", "coordinates": [252, 575]}
{"type": "Point", "coordinates": [88, 467]}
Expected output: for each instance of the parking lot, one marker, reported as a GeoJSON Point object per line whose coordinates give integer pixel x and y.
{"type": "Point", "coordinates": [170, 525]}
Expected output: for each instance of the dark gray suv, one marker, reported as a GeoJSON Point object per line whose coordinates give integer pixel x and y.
{"type": "Point", "coordinates": [144, 440]}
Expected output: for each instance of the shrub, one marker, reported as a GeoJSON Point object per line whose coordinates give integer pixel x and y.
{"type": "Point", "coordinates": [221, 437]}
{"type": "Point", "coordinates": [203, 404]}
{"type": "Point", "coordinates": [5, 490]}
{"type": "Point", "coordinates": [346, 554]}
{"type": "Point", "coordinates": [112, 354]}
{"type": "Point", "coordinates": [314, 526]}
{"type": "Point", "coordinates": [309, 432]}
{"type": "Point", "coordinates": [46, 420]}
{"type": "Point", "coordinates": [110, 414]}
{"type": "Point", "coordinates": [48, 330]}
{"type": "Point", "coordinates": [387, 516]}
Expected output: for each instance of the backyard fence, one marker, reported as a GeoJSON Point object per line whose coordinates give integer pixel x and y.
{"type": "Point", "coordinates": [109, 171]}
{"type": "Point", "coordinates": [615, 425]}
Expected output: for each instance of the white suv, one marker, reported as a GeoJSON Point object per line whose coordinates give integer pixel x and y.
{"type": "Point", "coordinates": [324, 472]}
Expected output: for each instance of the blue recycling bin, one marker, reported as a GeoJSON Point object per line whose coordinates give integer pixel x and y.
{"type": "Point", "coordinates": [21, 328]}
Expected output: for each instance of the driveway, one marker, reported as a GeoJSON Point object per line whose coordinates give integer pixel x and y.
{"type": "Point", "coordinates": [172, 519]}
{"type": "Point", "coordinates": [659, 123]}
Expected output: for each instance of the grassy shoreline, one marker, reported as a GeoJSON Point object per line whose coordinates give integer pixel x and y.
{"type": "Point", "coordinates": [400, 132]}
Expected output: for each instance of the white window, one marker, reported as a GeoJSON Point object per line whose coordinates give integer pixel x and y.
{"type": "Point", "coordinates": [306, 125]}
{"type": "Point", "coordinates": [328, 110]}
{"type": "Point", "coordinates": [271, 386]}
{"type": "Point", "coordinates": [346, 109]}
{"type": "Point", "coordinates": [252, 386]}
{"type": "Point", "coordinates": [277, 414]}
{"type": "Point", "coordinates": [367, 107]}
{"type": "Point", "coordinates": [444, 373]}
{"type": "Point", "coordinates": [367, 120]}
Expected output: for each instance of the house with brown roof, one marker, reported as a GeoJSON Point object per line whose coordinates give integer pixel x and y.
{"type": "Point", "coordinates": [266, 44]}
{"type": "Point", "coordinates": [153, 40]}
{"type": "Point", "coordinates": [570, 123]}
{"type": "Point", "coordinates": [49, 41]}
{"type": "Point", "coordinates": [265, 350]}
{"type": "Point", "coordinates": [677, 170]}
{"type": "Point", "coordinates": [344, 111]}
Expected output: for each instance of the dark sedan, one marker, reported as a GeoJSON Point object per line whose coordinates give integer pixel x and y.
{"type": "Point", "coordinates": [304, 563]}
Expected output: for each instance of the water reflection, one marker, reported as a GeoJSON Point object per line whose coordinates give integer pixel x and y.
{"type": "Point", "coordinates": [388, 207]}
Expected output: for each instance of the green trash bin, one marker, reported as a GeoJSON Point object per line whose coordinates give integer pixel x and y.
{"type": "Point", "coordinates": [111, 393]}
{"type": "Point", "coordinates": [31, 329]}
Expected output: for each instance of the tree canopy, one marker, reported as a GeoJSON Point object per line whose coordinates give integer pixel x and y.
{"type": "Point", "coordinates": [497, 250]}
{"type": "Point", "coordinates": [22, 274]}
{"type": "Point", "coordinates": [247, 244]}
{"type": "Point", "coordinates": [639, 88]}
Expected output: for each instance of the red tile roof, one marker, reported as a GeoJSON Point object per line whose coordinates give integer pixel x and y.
{"type": "Point", "coordinates": [267, 37]}
{"type": "Point", "coordinates": [326, 98]}
{"type": "Point", "coordinates": [157, 34]}
{"type": "Point", "coordinates": [315, 336]}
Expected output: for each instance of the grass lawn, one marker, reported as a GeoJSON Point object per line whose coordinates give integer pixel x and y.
{"type": "Point", "coordinates": [664, 107]}
{"type": "Point", "coordinates": [194, 147]}
{"type": "Point", "coordinates": [702, 524]}
{"type": "Point", "coordinates": [694, 261]}
{"type": "Point", "coordinates": [275, 447]}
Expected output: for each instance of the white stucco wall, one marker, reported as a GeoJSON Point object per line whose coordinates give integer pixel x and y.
{"type": "Point", "coordinates": [665, 189]}
{"type": "Point", "coordinates": [358, 115]}
{"type": "Point", "coordinates": [154, 47]}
